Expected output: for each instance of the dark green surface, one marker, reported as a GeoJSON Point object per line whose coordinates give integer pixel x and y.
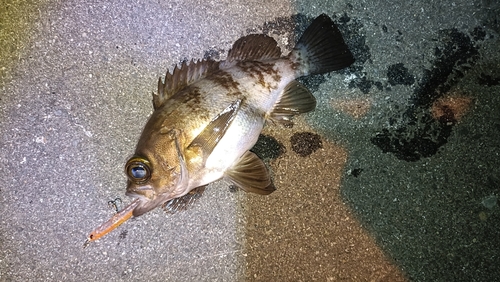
{"type": "Point", "coordinates": [429, 191]}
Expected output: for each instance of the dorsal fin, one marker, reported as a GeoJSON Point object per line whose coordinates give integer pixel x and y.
{"type": "Point", "coordinates": [253, 47]}
{"type": "Point", "coordinates": [181, 78]}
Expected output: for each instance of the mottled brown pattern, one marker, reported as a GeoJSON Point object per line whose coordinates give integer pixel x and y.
{"type": "Point", "coordinates": [224, 79]}
{"type": "Point", "coordinates": [181, 77]}
{"type": "Point", "coordinates": [193, 99]}
{"type": "Point", "coordinates": [259, 71]}
{"type": "Point", "coordinates": [193, 95]}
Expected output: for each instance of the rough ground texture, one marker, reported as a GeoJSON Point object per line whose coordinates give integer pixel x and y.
{"type": "Point", "coordinates": [394, 177]}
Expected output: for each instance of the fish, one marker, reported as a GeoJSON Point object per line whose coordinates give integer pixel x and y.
{"type": "Point", "coordinates": [208, 115]}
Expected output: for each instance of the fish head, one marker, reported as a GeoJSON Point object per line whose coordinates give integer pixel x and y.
{"type": "Point", "coordinates": [157, 174]}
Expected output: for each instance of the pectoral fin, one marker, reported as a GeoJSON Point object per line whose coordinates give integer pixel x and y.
{"type": "Point", "coordinates": [296, 99]}
{"type": "Point", "coordinates": [206, 141]}
{"type": "Point", "coordinates": [251, 175]}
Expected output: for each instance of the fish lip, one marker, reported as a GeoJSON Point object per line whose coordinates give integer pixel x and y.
{"type": "Point", "coordinates": [147, 204]}
{"type": "Point", "coordinates": [142, 191]}
{"type": "Point", "coordinates": [137, 196]}
{"type": "Point", "coordinates": [144, 200]}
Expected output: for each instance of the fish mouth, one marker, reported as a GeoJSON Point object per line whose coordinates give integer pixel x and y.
{"type": "Point", "coordinates": [149, 199]}
{"type": "Point", "coordinates": [146, 204]}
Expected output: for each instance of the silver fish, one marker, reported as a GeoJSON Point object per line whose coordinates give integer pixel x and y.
{"type": "Point", "coordinates": [208, 115]}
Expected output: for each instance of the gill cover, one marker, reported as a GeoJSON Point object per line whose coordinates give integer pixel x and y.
{"type": "Point", "coordinates": [139, 171]}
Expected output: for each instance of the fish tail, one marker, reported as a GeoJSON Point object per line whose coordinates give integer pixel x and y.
{"type": "Point", "coordinates": [321, 49]}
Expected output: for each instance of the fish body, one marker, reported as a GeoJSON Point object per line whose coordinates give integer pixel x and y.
{"type": "Point", "coordinates": [209, 114]}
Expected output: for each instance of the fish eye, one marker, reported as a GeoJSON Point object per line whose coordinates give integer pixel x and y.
{"type": "Point", "coordinates": [138, 170]}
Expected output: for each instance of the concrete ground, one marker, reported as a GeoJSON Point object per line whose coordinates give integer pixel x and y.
{"type": "Point", "coordinates": [394, 177]}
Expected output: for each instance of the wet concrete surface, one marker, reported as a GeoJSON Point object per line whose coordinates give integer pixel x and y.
{"type": "Point", "coordinates": [402, 185]}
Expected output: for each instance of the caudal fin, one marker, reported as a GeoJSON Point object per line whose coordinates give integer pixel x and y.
{"type": "Point", "coordinates": [321, 48]}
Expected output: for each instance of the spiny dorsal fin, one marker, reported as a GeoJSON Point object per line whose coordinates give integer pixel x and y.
{"type": "Point", "coordinates": [182, 77]}
{"type": "Point", "coordinates": [251, 175]}
{"type": "Point", "coordinates": [296, 99]}
{"type": "Point", "coordinates": [253, 47]}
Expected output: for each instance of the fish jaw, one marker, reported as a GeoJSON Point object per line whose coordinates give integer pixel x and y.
{"type": "Point", "coordinates": [156, 179]}
{"type": "Point", "coordinates": [152, 189]}
{"type": "Point", "coordinates": [171, 186]}
{"type": "Point", "coordinates": [147, 204]}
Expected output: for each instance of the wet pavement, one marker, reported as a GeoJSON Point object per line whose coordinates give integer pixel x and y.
{"type": "Point", "coordinates": [394, 177]}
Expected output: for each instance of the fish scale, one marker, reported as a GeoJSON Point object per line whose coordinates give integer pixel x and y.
{"type": "Point", "coordinates": [208, 115]}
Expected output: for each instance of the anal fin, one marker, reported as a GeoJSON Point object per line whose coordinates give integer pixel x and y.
{"type": "Point", "coordinates": [251, 175]}
{"type": "Point", "coordinates": [296, 99]}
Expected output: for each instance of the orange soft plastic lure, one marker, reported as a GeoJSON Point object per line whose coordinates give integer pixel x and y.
{"type": "Point", "coordinates": [112, 223]}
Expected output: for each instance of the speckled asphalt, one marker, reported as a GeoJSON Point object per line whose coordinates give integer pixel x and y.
{"type": "Point", "coordinates": [403, 183]}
